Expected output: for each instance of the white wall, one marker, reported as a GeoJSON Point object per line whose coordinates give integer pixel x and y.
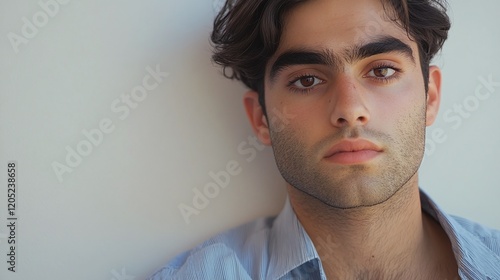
{"type": "Point", "coordinates": [116, 214]}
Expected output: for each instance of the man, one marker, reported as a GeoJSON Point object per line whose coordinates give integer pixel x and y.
{"type": "Point", "coordinates": [350, 154]}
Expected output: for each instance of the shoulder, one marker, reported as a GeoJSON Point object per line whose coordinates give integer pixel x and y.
{"type": "Point", "coordinates": [477, 249]}
{"type": "Point", "coordinates": [239, 253]}
{"type": "Point", "coordinates": [487, 236]}
{"type": "Point", "coordinates": [468, 237]}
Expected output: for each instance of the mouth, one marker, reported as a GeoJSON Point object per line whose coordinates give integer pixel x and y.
{"type": "Point", "coordinates": [356, 151]}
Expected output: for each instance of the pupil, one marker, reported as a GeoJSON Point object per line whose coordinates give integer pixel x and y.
{"type": "Point", "coordinates": [307, 81]}
{"type": "Point", "coordinates": [381, 72]}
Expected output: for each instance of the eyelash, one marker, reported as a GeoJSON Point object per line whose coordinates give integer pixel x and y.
{"type": "Point", "coordinates": [396, 75]}
{"type": "Point", "coordinates": [297, 78]}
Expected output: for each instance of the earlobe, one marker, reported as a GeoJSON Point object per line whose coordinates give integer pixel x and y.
{"type": "Point", "coordinates": [433, 94]}
{"type": "Point", "coordinates": [256, 116]}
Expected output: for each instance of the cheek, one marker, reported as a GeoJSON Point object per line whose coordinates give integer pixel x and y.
{"type": "Point", "coordinates": [395, 104]}
{"type": "Point", "coordinates": [299, 121]}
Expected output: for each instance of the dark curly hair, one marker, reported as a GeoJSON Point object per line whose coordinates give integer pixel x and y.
{"type": "Point", "coordinates": [247, 33]}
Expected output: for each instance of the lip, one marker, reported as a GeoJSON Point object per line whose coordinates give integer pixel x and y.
{"type": "Point", "coordinates": [353, 152]}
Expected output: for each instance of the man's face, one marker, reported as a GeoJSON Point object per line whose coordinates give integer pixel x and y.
{"type": "Point", "coordinates": [353, 82]}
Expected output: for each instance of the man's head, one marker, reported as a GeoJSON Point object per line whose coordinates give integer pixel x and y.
{"type": "Point", "coordinates": [247, 33]}
{"type": "Point", "coordinates": [354, 76]}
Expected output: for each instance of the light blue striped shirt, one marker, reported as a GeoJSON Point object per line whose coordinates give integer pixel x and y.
{"type": "Point", "coordinates": [279, 248]}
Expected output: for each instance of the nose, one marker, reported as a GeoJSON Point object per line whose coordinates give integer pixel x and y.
{"type": "Point", "coordinates": [349, 107]}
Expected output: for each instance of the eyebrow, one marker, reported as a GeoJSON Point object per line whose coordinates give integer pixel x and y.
{"type": "Point", "coordinates": [382, 45]}
{"type": "Point", "coordinates": [301, 57]}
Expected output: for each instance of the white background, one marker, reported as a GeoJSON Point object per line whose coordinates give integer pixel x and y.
{"type": "Point", "coordinates": [116, 216]}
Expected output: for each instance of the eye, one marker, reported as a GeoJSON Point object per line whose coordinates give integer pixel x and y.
{"type": "Point", "coordinates": [306, 82]}
{"type": "Point", "coordinates": [382, 72]}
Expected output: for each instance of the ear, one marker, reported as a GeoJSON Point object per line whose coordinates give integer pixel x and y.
{"type": "Point", "coordinates": [433, 94]}
{"type": "Point", "coordinates": [256, 117]}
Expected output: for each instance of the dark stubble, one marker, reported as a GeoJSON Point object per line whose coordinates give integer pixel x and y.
{"type": "Point", "coordinates": [352, 186]}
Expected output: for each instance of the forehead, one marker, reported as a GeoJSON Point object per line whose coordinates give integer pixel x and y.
{"type": "Point", "coordinates": [337, 25]}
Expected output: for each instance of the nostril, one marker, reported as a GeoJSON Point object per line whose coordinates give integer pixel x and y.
{"type": "Point", "coordinates": [362, 119]}
{"type": "Point", "coordinates": [341, 121]}
{"type": "Point", "coordinates": [359, 120]}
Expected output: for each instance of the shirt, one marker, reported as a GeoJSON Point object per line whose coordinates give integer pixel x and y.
{"type": "Point", "coordinates": [279, 248]}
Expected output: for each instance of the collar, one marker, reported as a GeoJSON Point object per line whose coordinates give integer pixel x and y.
{"type": "Point", "coordinates": [290, 246]}
{"type": "Point", "coordinates": [474, 259]}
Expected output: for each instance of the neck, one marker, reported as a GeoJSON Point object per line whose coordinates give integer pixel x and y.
{"type": "Point", "coordinates": [390, 240]}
